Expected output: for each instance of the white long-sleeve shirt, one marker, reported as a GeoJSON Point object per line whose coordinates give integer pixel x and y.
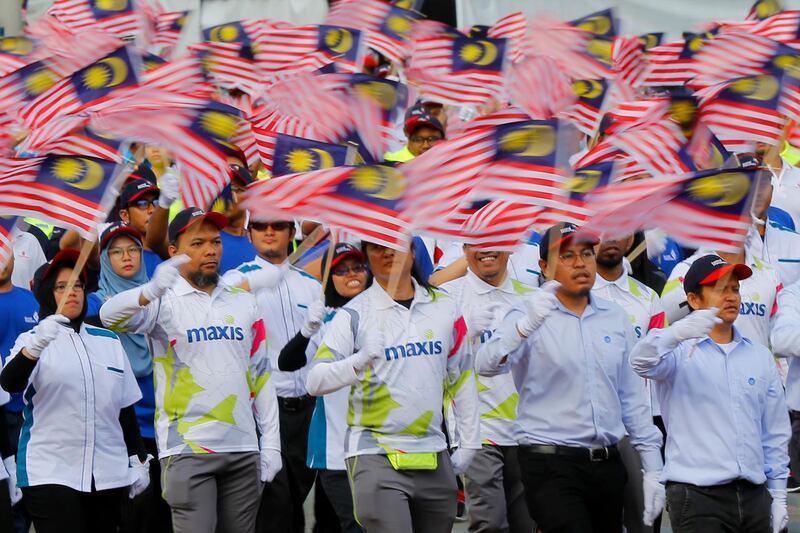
{"type": "Point", "coordinates": [212, 374]}
{"type": "Point", "coordinates": [396, 404]}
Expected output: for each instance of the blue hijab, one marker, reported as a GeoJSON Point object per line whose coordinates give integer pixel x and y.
{"type": "Point", "coordinates": [110, 284]}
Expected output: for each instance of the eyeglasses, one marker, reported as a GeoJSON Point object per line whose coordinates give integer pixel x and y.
{"type": "Point", "coordinates": [143, 204]}
{"type": "Point", "coordinates": [132, 251]}
{"type": "Point", "coordinates": [276, 226]}
{"type": "Point", "coordinates": [344, 270]}
{"type": "Point", "coordinates": [62, 286]}
{"type": "Point", "coordinates": [569, 258]}
{"type": "Point", "coordinates": [422, 140]}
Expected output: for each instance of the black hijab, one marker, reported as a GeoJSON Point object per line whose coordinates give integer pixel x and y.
{"type": "Point", "coordinates": [44, 282]}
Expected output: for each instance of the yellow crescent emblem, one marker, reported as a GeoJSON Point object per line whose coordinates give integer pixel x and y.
{"type": "Point", "coordinates": [533, 140]}
{"type": "Point", "coordinates": [600, 49]}
{"type": "Point", "coordinates": [648, 40]}
{"type": "Point", "coordinates": [382, 93]}
{"type": "Point", "coordinates": [18, 46]}
{"type": "Point", "coordinates": [481, 52]}
{"type": "Point", "coordinates": [589, 89]}
{"type": "Point", "coordinates": [325, 159]}
{"type": "Point", "coordinates": [404, 4]}
{"type": "Point", "coordinates": [598, 25]}
{"type": "Point", "coordinates": [384, 183]}
{"type": "Point", "coordinates": [106, 73]}
{"type": "Point", "coordinates": [789, 64]}
{"type": "Point", "coordinates": [220, 125]}
{"type": "Point", "coordinates": [721, 190]}
{"type": "Point", "coordinates": [78, 172]}
{"type": "Point", "coordinates": [767, 8]}
{"type": "Point", "coordinates": [340, 40]}
{"type": "Point", "coordinates": [226, 33]}
{"type": "Point", "coordinates": [111, 5]}
{"type": "Point", "coordinates": [583, 181]}
{"type": "Point", "coordinates": [763, 88]}
{"type": "Point", "coordinates": [40, 80]}
{"type": "Point", "coordinates": [398, 24]}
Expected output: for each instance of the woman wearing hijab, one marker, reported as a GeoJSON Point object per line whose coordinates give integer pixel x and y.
{"type": "Point", "coordinates": [349, 277]}
{"type": "Point", "coordinates": [79, 448]}
{"type": "Point", "coordinates": [122, 268]}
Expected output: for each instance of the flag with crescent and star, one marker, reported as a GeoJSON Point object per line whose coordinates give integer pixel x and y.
{"type": "Point", "coordinates": [117, 17]}
{"type": "Point", "coordinates": [67, 191]}
{"type": "Point", "coordinates": [286, 154]}
{"type": "Point", "coordinates": [309, 48]}
{"type": "Point", "coordinates": [168, 30]}
{"type": "Point", "coordinates": [600, 29]}
{"type": "Point", "coordinates": [587, 112]}
{"type": "Point", "coordinates": [15, 53]}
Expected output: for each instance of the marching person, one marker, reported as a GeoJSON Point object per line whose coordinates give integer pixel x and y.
{"type": "Point", "coordinates": [213, 390]}
{"type": "Point", "coordinates": [494, 487]}
{"type": "Point", "coordinates": [121, 269]}
{"type": "Point", "coordinates": [568, 352]}
{"type": "Point", "coordinates": [643, 307]}
{"type": "Point", "coordinates": [80, 447]}
{"type": "Point", "coordinates": [284, 309]}
{"type": "Point", "coordinates": [400, 349]}
{"type": "Point", "coordinates": [723, 405]}
{"type": "Point", "coordinates": [348, 278]}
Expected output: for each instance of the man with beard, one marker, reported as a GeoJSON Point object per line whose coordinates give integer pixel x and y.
{"type": "Point", "coordinates": [643, 307]}
{"type": "Point", "coordinates": [578, 396]}
{"type": "Point", "coordinates": [212, 379]}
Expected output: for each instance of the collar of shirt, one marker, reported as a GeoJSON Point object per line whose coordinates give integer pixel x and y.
{"type": "Point", "coordinates": [183, 287]}
{"type": "Point", "coordinates": [595, 304]}
{"type": "Point", "coordinates": [383, 301]}
{"type": "Point", "coordinates": [621, 282]}
{"type": "Point", "coordinates": [713, 345]}
{"type": "Point", "coordinates": [481, 287]}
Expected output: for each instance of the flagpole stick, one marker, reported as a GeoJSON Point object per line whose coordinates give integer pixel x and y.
{"type": "Point", "coordinates": [310, 241]}
{"type": "Point", "coordinates": [86, 250]}
{"type": "Point", "coordinates": [636, 252]}
{"type": "Point", "coordinates": [328, 258]}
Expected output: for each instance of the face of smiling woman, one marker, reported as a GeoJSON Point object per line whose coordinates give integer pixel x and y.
{"type": "Point", "coordinates": [346, 280]}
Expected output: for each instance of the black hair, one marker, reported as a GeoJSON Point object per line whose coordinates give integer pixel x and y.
{"type": "Point", "coordinates": [45, 287]}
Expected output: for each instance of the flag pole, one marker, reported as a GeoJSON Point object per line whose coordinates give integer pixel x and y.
{"type": "Point", "coordinates": [328, 258]}
{"type": "Point", "coordinates": [311, 240]}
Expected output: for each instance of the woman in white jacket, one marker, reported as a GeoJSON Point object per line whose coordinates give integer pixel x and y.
{"type": "Point", "coordinates": [80, 447]}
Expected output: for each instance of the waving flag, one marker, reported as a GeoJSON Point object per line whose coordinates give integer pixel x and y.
{"type": "Point", "coordinates": [762, 9]}
{"type": "Point", "coordinates": [387, 26]}
{"type": "Point", "coordinates": [24, 85]}
{"type": "Point", "coordinates": [87, 88]}
{"type": "Point", "coordinates": [169, 26]}
{"type": "Point", "coordinates": [501, 225]}
{"type": "Point", "coordinates": [70, 192]}
{"type": "Point", "coordinates": [15, 53]}
{"type": "Point", "coordinates": [554, 92]}
{"type": "Point", "coordinates": [286, 154]}
{"type": "Point", "coordinates": [573, 206]}
{"type": "Point", "coordinates": [361, 200]}
{"type": "Point", "coordinates": [308, 48]}
{"type": "Point", "coordinates": [587, 112]}
{"type": "Point", "coordinates": [6, 239]}
{"type": "Point", "coordinates": [596, 60]}
{"type": "Point", "coordinates": [117, 17]}
{"type": "Point", "coordinates": [71, 136]}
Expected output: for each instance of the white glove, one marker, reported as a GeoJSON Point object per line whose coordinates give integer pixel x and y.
{"type": "Point", "coordinates": [13, 490]}
{"type": "Point", "coordinates": [461, 459]}
{"type": "Point", "coordinates": [483, 319]}
{"type": "Point", "coordinates": [44, 333]}
{"type": "Point", "coordinates": [695, 325]}
{"type": "Point", "coordinates": [539, 304]}
{"type": "Point", "coordinates": [139, 475]}
{"type": "Point", "coordinates": [655, 495]}
{"type": "Point", "coordinates": [371, 351]}
{"type": "Point", "coordinates": [780, 514]}
{"type": "Point", "coordinates": [656, 242]}
{"type": "Point", "coordinates": [271, 464]}
{"type": "Point", "coordinates": [164, 277]}
{"type": "Point", "coordinates": [314, 318]}
{"type": "Point", "coordinates": [266, 277]}
{"type": "Point", "coordinates": [168, 189]}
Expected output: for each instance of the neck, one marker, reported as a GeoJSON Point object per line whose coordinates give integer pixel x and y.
{"type": "Point", "coordinates": [731, 257]}
{"type": "Point", "coordinates": [401, 291]}
{"type": "Point", "coordinates": [574, 302]}
{"type": "Point", "coordinates": [6, 286]}
{"type": "Point", "coordinates": [610, 273]}
{"type": "Point", "coordinates": [274, 260]}
{"type": "Point", "coordinates": [722, 333]}
{"type": "Point", "coordinates": [494, 281]}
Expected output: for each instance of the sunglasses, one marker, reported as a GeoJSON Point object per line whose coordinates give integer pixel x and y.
{"type": "Point", "coordinates": [276, 226]}
{"type": "Point", "coordinates": [344, 270]}
{"type": "Point", "coordinates": [143, 204]}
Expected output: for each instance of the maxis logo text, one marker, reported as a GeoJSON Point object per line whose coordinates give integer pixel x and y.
{"type": "Point", "coordinates": [215, 333]}
{"type": "Point", "coordinates": [413, 349]}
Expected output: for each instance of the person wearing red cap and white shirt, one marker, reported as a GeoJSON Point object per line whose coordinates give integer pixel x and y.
{"type": "Point", "coordinates": [423, 131]}
{"type": "Point", "coordinates": [724, 408]}
{"type": "Point", "coordinates": [212, 374]}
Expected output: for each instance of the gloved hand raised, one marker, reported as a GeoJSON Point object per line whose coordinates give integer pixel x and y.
{"type": "Point", "coordinates": [371, 351]}
{"type": "Point", "coordinates": [44, 333]}
{"type": "Point", "coordinates": [168, 188]}
{"type": "Point", "coordinates": [538, 305]}
{"type": "Point", "coordinates": [483, 319]}
{"type": "Point", "coordinates": [164, 277]}
{"type": "Point", "coordinates": [695, 325]}
{"type": "Point", "coordinates": [266, 276]}
{"type": "Point", "coordinates": [316, 315]}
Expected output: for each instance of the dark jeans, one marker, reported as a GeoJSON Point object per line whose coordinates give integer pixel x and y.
{"type": "Point", "coordinates": [148, 512]}
{"type": "Point", "coordinates": [22, 522]}
{"type": "Point", "coordinates": [572, 494]}
{"type": "Point", "coordinates": [738, 507]}
{"type": "Point", "coordinates": [57, 509]}
{"type": "Point", "coordinates": [337, 488]}
{"type": "Point", "coordinates": [794, 445]}
{"type": "Point", "coordinates": [281, 509]}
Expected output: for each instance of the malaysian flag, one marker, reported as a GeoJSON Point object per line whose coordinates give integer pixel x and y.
{"type": "Point", "coordinates": [169, 26]}
{"type": "Point", "coordinates": [87, 88]}
{"type": "Point", "coordinates": [709, 209]}
{"type": "Point", "coordinates": [7, 224]}
{"type": "Point", "coordinates": [15, 53]}
{"type": "Point", "coordinates": [71, 136]}
{"type": "Point", "coordinates": [587, 112]}
{"type": "Point", "coordinates": [595, 61]}
{"type": "Point", "coordinates": [286, 154]}
{"type": "Point", "coordinates": [763, 9]}
{"type": "Point", "coordinates": [657, 147]}
{"type": "Point", "coordinates": [118, 17]}
{"type": "Point", "coordinates": [501, 225]}
{"type": "Point", "coordinates": [361, 200]}
{"type": "Point", "coordinates": [308, 48]}
{"type": "Point", "coordinates": [554, 92]}
{"type": "Point", "coordinates": [573, 206]}
{"type": "Point", "coordinates": [70, 192]}
{"type": "Point", "coordinates": [25, 85]}
{"type": "Point", "coordinates": [387, 26]}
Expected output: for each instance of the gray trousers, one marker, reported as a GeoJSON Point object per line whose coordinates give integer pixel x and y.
{"type": "Point", "coordinates": [211, 493]}
{"type": "Point", "coordinates": [402, 501]}
{"type": "Point", "coordinates": [633, 497]}
{"type": "Point", "coordinates": [495, 492]}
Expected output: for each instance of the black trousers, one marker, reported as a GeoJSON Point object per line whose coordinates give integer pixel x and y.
{"type": "Point", "coordinates": [738, 507]}
{"type": "Point", "coordinates": [568, 494]}
{"type": "Point", "coordinates": [22, 522]}
{"type": "Point", "coordinates": [337, 487]}
{"type": "Point", "coordinates": [281, 509]}
{"type": "Point", "coordinates": [148, 512]}
{"type": "Point", "coordinates": [57, 509]}
{"type": "Point", "coordinates": [794, 445]}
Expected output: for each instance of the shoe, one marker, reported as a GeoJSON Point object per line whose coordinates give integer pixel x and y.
{"type": "Point", "coordinates": [792, 485]}
{"type": "Point", "coordinates": [461, 508]}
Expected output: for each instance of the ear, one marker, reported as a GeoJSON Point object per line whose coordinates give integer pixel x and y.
{"type": "Point", "coordinates": [543, 268]}
{"type": "Point", "coordinates": [694, 300]}
{"type": "Point", "coordinates": [124, 216]}
{"type": "Point", "coordinates": [173, 250]}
